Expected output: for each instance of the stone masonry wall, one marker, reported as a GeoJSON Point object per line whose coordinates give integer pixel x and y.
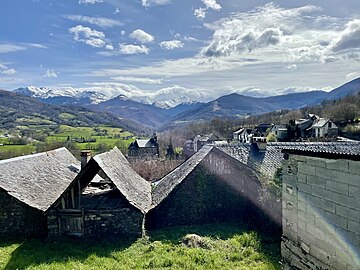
{"type": "Point", "coordinates": [321, 213]}
{"type": "Point", "coordinates": [19, 219]}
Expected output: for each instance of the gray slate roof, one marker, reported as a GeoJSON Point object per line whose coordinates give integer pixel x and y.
{"type": "Point", "coordinates": [169, 182]}
{"type": "Point", "coordinates": [39, 179]}
{"type": "Point", "coordinates": [267, 162]}
{"type": "Point", "coordinates": [145, 143]}
{"type": "Point", "coordinates": [320, 122]}
{"type": "Point", "coordinates": [135, 189]}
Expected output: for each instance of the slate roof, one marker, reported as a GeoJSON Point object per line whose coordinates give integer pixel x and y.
{"type": "Point", "coordinates": [267, 162]}
{"type": "Point", "coordinates": [320, 123]}
{"type": "Point", "coordinates": [116, 167]}
{"type": "Point", "coordinates": [145, 143]}
{"type": "Point", "coordinates": [168, 183]}
{"type": "Point", "coordinates": [39, 179]}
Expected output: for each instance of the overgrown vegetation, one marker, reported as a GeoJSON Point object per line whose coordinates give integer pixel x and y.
{"type": "Point", "coordinates": [226, 246]}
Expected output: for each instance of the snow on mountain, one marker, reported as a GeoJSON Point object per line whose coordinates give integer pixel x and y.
{"type": "Point", "coordinates": [165, 98]}
{"type": "Point", "coordinates": [66, 92]}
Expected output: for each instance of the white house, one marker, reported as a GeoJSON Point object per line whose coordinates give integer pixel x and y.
{"type": "Point", "coordinates": [324, 127]}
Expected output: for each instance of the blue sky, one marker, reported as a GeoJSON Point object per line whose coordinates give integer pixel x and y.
{"type": "Point", "coordinates": [165, 48]}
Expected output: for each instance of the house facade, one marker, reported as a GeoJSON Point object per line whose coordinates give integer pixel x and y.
{"type": "Point", "coordinates": [324, 127]}
{"type": "Point", "coordinates": [28, 186]}
{"type": "Point", "coordinates": [147, 148]}
{"type": "Point", "coordinates": [117, 210]}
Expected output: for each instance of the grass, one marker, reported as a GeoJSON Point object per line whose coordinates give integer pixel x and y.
{"type": "Point", "coordinates": [227, 247]}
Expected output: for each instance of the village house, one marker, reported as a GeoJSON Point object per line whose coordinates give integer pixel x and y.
{"type": "Point", "coordinates": [280, 131]}
{"type": "Point", "coordinates": [324, 127]}
{"type": "Point", "coordinates": [148, 148]}
{"type": "Point", "coordinates": [117, 210]}
{"type": "Point", "coordinates": [28, 186]}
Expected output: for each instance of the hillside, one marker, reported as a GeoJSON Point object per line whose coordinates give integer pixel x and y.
{"type": "Point", "coordinates": [234, 105]}
{"type": "Point", "coordinates": [17, 110]}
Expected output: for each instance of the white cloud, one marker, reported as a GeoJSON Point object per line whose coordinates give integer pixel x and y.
{"type": "Point", "coordinates": [98, 21]}
{"type": "Point", "coordinates": [90, 1]}
{"type": "Point", "coordinates": [200, 13]}
{"type": "Point", "coordinates": [137, 80]}
{"type": "Point", "coordinates": [109, 47]}
{"type": "Point", "coordinates": [211, 4]}
{"type": "Point", "coordinates": [6, 70]}
{"type": "Point", "coordinates": [88, 36]}
{"type": "Point", "coordinates": [123, 33]}
{"type": "Point", "coordinates": [6, 48]}
{"type": "Point", "coordinates": [133, 49]}
{"type": "Point", "coordinates": [171, 44]}
{"type": "Point", "coordinates": [142, 36]}
{"type": "Point", "coordinates": [148, 3]}
{"type": "Point", "coordinates": [350, 38]}
{"type": "Point", "coordinates": [50, 73]}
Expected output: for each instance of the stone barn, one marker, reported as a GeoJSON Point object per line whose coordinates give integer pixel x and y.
{"type": "Point", "coordinates": [209, 187]}
{"type": "Point", "coordinates": [115, 208]}
{"type": "Point", "coordinates": [28, 186]}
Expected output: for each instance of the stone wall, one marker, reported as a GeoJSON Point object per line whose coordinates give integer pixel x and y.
{"type": "Point", "coordinates": [321, 218]}
{"type": "Point", "coordinates": [108, 223]}
{"type": "Point", "coordinates": [19, 219]}
{"type": "Point", "coordinates": [122, 222]}
{"type": "Point", "coordinates": [219, 189]}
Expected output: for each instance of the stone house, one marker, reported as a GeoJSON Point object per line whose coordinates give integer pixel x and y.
{"type": "Point", "coordinates": [28, 186]}
{"type": "Point", "coordinates": [209, 187]}
{"type": "Point", "coordinates": [201, 140]}
{"type": "Point", "coordinates": [118, 209]}
{"type": "Point", "coordinates": [321, 208]}
{"type": "Point", "coordinates": [148, 148]}
{"type": "Point", "coordinates": [324, 127]}
{"type": "Point", "coordinates": [280, 131]}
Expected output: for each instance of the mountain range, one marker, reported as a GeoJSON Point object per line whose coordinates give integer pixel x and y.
{"type": "Point", "coordinates": [155, 116]}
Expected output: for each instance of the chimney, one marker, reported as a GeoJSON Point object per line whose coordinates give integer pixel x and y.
{"type": "Point", "coordinates": [85, 157]}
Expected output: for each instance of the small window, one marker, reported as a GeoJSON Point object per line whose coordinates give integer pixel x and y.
{"type": "Point", "coordinates": [330, 125]}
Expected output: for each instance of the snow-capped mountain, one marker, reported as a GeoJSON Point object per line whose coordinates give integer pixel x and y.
{"type": "Point", "coordinates": [66, 95]}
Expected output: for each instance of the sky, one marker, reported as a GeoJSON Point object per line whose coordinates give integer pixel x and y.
{"type": "Point", "coordinates": [201, 49]}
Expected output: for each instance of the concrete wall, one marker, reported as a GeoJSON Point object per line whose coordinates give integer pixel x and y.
{"type": "Point", "coordinates": [19, 219]}
{"type": "Point", "coordinates": [321, 213]}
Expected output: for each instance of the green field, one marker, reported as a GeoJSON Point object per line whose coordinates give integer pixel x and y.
{"type": "Point", "coordinates": [97, 139]}
{"type": "Point", "coordinates": [225, 247]}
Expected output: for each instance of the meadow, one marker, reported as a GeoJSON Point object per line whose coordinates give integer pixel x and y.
{"type": "Point", "coordinates": [225, 246]}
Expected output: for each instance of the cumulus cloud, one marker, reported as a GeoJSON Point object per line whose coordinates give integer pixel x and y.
{"type": "Point", "coordinates": [350, 38]}
{"type": "Point", "coordinates": [142, 36]}
{"type": "Point", "coordinates": [50, 73]}
{"type": "Point", "coordinates": [91, 2]}
{"type": "Point", "coordinates": [133, 49]}
{"type": "Point", "coordinates": [6, 70]}
{"type": "Point", "coordinates": [271, 32]}
{"type": "Point", "coordinates": [171, 44]}
{"type": "Point", "coordinates": [88, 36]}
{"type": "Point", "coordinates": [98, 21]}
{"type": "Point", "coordinates": [211, 4]}
{"type": "Point", "coordinates": [148, 3]}
{"type": "Point", "coordinates": [200, 13]}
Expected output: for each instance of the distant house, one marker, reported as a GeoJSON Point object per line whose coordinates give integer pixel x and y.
{"type": "Point", "coordinates": [262, 129]}
{"type": "Point", "coordinates": [148, 148]}
{"type": "Point", "coordinates": [201, 140]}
{"type": "Point", "coordinates": [280, 131]}
{"type": "Point", "coordinates": [188, 148]}
{"type": "Point", "coordinates": [324, 127]}
{"type": "Point", "coordinates": [245, 136]}
{"type": "Point", "coordinates": [28, 186]}
{"type": "Point", "coordinates": [118, 210]}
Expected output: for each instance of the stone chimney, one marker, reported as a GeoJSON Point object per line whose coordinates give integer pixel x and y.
{"type": "Point", "coordinates": [85, 157]}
